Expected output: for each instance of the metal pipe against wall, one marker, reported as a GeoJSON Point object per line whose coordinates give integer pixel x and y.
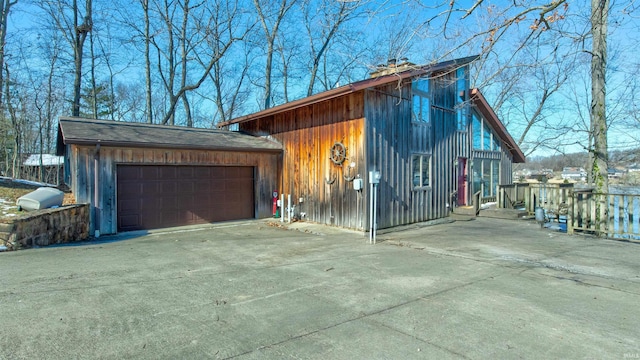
{"type": "Point", "coordinates": [289, 208]}
{"type": "Point", "coordinates": [281, 207]}
{"type": "Point", "coordinates": [96, 191]}
{"type": "Point", "coordinates": [371, 211]}
{"type": "Point", "coordinates": [375, 215]}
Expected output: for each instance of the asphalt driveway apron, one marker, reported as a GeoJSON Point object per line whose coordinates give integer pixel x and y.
{"type": "Point", "coordinates": [248, 290]}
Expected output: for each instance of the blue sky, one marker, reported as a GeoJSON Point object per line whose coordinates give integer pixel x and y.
{"type": "Point", "coordinates": [426, 45]}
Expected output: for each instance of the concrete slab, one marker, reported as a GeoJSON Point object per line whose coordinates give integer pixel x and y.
{"type": "Point", "coordinates": [487, 288]}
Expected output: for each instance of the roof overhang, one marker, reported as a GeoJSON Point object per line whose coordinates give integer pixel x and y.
{"type": "Point", "coordinates": [483, 106]}
{"type": "Point", "coordinates": [91, 132]}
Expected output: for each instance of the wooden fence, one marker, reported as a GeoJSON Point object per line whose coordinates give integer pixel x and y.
{"type": "Point", "coordinates": [611, 215]}
{"type": "Point", "coordinates": [554, 198]}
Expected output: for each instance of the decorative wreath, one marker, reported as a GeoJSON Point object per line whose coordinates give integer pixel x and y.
{"type": "Point", "coordinates": [338, 153]}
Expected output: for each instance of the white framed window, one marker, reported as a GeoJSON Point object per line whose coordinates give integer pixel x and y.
{"type": "Point", "coordinates": [421, 170]}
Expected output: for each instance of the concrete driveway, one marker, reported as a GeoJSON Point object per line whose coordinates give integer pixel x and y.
{"type": "Point", "coordinates": [479, 289]}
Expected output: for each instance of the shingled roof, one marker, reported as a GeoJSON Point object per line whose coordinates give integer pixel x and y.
{"type": "Point", "coordinates": [73, 130]}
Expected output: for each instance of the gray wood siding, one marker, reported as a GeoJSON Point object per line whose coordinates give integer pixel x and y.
{"type": "Point", "coordinates": [506, 168]}
{"type": "Point", "coordinates": [83, 174]}
{"type": "Point", "coordinates": [444, 154]}
{"type": "Point", "coordinates": [388, 114]}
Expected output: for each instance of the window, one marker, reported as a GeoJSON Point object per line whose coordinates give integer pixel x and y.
{"type": "Point", "coordinates": [495, 175]}
{"type": "Point", "coordinates": [420, 100]}
{"type": "Point", "coordinates": [461, 105]}
{"type": "Point", "coordinates": [421, 170]}
{"type": "Point", "coordinates": [496, 143]}
{"type": "Point", "coordinates": [420, 85]}
{"type": "Point", "coordinates": [486, 176]}
{"type": "Point", "coordinates": [477, 132]}
{"type": "Point", "coordinates": [483, 136]}
{"type": "Point", "coordinates": [486, 137]}
{"type": "Point", "coordinates": [420, 109]}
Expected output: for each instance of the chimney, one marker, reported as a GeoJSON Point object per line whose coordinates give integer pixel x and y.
{"type": "Point", "coordinates": [392, 67]}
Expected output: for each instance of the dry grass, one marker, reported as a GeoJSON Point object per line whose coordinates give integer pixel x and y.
{"type": "Point", "coordinates": [11, 190]}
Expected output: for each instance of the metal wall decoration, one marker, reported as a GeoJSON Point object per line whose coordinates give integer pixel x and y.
{"type": "Point", "coordinates": [338, 153]}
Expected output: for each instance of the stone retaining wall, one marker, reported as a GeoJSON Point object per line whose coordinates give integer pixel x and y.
{"type": "Point", "coordinates": [46, 227]}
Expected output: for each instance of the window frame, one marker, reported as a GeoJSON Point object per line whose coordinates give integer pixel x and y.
{"type": "Point", "coordinates": [421, 157]}
{"type": "Point", "coordinates": [493, 141]}
{"type": "Point", "coordinates": [423, 97]}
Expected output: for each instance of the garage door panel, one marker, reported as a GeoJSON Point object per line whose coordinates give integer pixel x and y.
{"type": "Point", "coordinates": [128, 206]}
{"type": "Point", "coordinates": [128, 174]}
{"type": "Point", "coordinates": [149, 189]}
{"type": "Point", "coordinates": [185, 172]}
{"type": "Point", "coordinates": [128, 222]}
{"type": "Point", "coordinates": [155, 196]}
{"type": "Point", "coordinates": [169, 187]}
{"type": "Point", "coordinates": [168, 173]}
{"type": "Point", "coordinates": [130, 189]}
{"type": "Point", "coordinates": [149, 173]}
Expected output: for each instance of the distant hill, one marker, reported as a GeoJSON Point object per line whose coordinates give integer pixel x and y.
{"type": "Point", "coordinates": [617, 158]}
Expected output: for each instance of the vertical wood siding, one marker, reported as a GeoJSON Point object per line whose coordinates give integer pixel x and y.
{"type": "Point", "coordinates": [388, 114]}
{"type": "Point", "coordinates": [307, 134]}
{"type": "Point", "coordinates": [266, 166]}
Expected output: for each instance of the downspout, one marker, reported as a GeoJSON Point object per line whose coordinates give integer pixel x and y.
{"type": "Point", "coordinates": [96, 191]}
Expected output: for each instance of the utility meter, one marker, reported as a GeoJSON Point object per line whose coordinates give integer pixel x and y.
{"type": "Point", "coordinates": [374, 177]}
{"type": "Point", "coordinates": [357, 184]}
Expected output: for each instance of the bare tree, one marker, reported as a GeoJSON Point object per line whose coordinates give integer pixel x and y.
{"type": "Point", "coordinates": [147, 62]}
{"type": "Point", "coordinates": [80, 35]}
{"type": "Point", "coordinates": [598, 166]}
{"type": "Point", "coordinates": [4, 15]}
{"type": "Point", "coordinates": [229, 78]}
{"type": "Point", "coordinates": [323, 23]}
{"type": "Point", "coordinates": [214, 19]}
{"type": "Point", "coordinates": [16, 123]}
{"type": "Point", "coordinates": [271, 14]}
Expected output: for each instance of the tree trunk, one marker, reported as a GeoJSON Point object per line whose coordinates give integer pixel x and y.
{"type": "Point", "coordinates": [599, 164]}
{"type": "Point", "coordinates": [6, 6]}
{"type": "Point", "coordinates": [94, 90]}
{"type": "Point", "coordinates": [81, 32]}
{"type": "Point", "coordinates": [147, 61]}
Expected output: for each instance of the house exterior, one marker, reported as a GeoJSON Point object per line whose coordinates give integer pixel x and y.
{"type": "Point", "coordinates": [46, 168]}
{"type": "Point", "coordinates": [433, 141]}
{"type": "Point", "coordinates": [140, 176]}
{"type": "Point", "coordinates": [572, 173]}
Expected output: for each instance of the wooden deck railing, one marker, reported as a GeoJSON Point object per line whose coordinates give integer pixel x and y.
{"type": "Point", "coordinates": [554, 198]}
{"type": "Point", "coordinates": [611, 215]}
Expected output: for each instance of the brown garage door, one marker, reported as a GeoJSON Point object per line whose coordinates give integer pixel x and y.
{"type": "Point", "coordinates": [151, 196]}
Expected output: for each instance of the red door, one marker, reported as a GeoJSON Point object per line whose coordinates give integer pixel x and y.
{"type": "Point", "coordinates": [462, 181]}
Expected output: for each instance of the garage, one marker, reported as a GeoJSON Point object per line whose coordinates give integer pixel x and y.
{"type": "Point", "coordinates": [141, 176]}
{"type": "Point", "coordinates": [151, 197]}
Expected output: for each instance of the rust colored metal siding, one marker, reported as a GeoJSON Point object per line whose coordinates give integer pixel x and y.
{"type": "Point", "coordinates": [152, 196]}
{"type": "Point", "coordinates": [307, 134]}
